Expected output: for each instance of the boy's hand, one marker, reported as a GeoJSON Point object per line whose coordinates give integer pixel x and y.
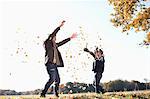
{"type": "Point", "coordinates": [86, 50]}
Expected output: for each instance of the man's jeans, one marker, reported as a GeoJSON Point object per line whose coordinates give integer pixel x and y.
{"type": "Point", "coordinates": [54, 78]}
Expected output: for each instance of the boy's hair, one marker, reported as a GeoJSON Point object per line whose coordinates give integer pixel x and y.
{"type": "Point", "coordinates": [98, 50]}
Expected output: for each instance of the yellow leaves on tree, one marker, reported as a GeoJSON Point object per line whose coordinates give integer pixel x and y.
{"type": "Point", "coordinates": [131, 14]}
{"type": "Point", "coordinates": [148, 37]}
{"type": "Point", "coordinates": [142, 20]}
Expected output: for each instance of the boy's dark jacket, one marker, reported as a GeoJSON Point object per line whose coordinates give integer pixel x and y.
{"type": "Point", "coordinates": [49, 51]}
{"type": "Point", "coordinates": [98, 65]}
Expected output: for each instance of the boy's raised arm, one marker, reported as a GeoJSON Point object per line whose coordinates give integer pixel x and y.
{"type": "Point", "coordinates": [87, 50]}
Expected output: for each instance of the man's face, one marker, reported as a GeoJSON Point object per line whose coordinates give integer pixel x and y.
{"type": "Point", "coordinates": [54, 38]}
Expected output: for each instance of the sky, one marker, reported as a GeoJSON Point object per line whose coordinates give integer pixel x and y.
{"type": "Point", "coordinates": [25, 24]}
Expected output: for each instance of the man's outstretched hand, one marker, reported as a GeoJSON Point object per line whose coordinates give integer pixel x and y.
{"type": "Point", "coordinates": [62, 23]}
{"type": "Point", "coordinates": [74, 35]}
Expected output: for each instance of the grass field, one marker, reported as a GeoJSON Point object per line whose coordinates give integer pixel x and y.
{"type": "Point", "coordinates": [108, 95]}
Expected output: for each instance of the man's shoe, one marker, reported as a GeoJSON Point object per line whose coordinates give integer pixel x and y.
{"type": "Point", "coordinates": [42, 96]}
{"type": "Point", "coordinates": [57, 95]}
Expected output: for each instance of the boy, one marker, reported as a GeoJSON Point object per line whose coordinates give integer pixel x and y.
{"type": "Point", "coordinates": [98, 67]}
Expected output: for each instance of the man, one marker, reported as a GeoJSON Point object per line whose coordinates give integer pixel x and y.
{"type": "Point", "coordinates": [53, 59]}
{"type": "Point", "coordinates": [98, 67]}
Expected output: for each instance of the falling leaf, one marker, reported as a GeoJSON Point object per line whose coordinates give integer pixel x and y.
{"type": "Point", "coordinates": [80, 27]}
{"type": "Point", "coordinates": [38, 37]}
{"type": "Point", "coordinates": [26, 55]}
{"type": "Point", "coordinates": [10, 74]}
{"type": "Point", "coordinates": [17, 52]}
{"type": "Point", "coordinates": [70, 56]}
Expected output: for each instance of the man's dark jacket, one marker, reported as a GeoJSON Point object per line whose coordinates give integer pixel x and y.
{"type": "Point", "coordinates": [49, 51]}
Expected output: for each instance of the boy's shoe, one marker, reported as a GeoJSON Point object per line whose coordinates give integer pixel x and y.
{"type": "Point", "coordinates": [103, 91]}
{"type": "Point", "coordinates": [100, 92]}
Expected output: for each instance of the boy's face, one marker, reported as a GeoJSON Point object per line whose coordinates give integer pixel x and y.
{"type": "Point", "coordinates": [98, 54]}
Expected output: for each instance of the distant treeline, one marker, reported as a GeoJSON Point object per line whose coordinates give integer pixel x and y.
{"type": "Point", "coordinates": [120, 85]}
{"type": "Point", "coordinates": [75, 87]}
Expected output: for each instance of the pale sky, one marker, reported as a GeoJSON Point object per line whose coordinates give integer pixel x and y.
{"type": "Point", "coordinates": [26, 24]}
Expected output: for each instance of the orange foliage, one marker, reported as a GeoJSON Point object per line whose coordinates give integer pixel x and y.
{"type": "Point", "coordinates": [131, 14]}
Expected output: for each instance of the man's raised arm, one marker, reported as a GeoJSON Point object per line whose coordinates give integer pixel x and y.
{"type": "Point", "coordinates": [56, 30]}
{"type": "Point", "coordinates": [74, 35]}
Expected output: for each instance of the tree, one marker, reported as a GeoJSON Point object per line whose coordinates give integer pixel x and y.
{"type": "Point", "coordinates": [116, 85]}
{"type": "Point", "coordinates": [146, 82]}
{"type": "Point", "coordinates": [132, 14]}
